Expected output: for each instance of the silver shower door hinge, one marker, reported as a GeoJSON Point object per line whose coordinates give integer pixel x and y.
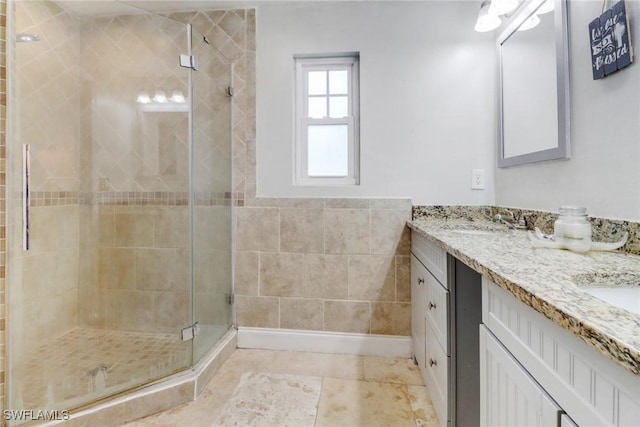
{"type": "Point", "coordinates": [190, 332]}
{"type": "Point", "coordinates": [188, 61]}
{"type": "Point", "coordinates": [231, 298]}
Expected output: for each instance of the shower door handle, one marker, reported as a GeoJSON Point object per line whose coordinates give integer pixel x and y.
{"type": "Point", "coordinates": [25, 196]}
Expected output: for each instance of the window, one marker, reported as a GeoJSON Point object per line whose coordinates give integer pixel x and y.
{"type": "Point", "coordinates": [326, 143]}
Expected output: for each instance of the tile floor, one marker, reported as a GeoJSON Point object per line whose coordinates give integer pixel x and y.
{"type": "Point", "coordinates": [278, 388]}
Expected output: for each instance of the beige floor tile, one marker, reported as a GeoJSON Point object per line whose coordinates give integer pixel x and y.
{"type": "Point", "coordinates": [395, 370]}
{"type": "Point", "coordinates": [265, 399]}
{"type": "Point", "coordinates": [361, 403]}
{"type": "Point", "coordinates": [318, 364]}
{"type": "Point", "coordinates": [254, 388]}
{"type": "Point", "coordinates": [423, 411]}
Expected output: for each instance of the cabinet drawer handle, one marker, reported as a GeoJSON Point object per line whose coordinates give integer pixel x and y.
{"type": "Point", "coordinates": [432, 363]}
{"type": "Point", "coordinates": [420, 281]}
{"type": "Point", "coordinates": [431, 305]}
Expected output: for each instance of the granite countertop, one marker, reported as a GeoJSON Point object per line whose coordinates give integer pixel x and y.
{"type": "Point", "coordinates": [547, 280]}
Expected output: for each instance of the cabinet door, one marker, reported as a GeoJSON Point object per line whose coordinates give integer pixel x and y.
{"type": "Point", "coordinates": [508, 395]}
{"type": "Point", "coordinates": [418, 306]}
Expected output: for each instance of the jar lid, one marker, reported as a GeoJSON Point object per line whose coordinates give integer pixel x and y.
{"type": "Point", "coordinates": [573, 210]}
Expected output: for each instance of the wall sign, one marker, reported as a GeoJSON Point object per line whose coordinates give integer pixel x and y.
{"type": "Point", "coordinates": [611, 48]}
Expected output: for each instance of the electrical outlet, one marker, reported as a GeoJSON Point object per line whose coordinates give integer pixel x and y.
{"type": "Point", "coordinates": [477, 179]}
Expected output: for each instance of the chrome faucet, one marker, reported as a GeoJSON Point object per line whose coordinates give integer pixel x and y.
{"type": "Point", "coordinates": [513, 223]}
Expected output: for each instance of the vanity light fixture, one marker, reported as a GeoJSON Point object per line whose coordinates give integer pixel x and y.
{"type": "Point", "coordinates": [487, 21]}
{"type": "Point", "coordinates": [502, 7]}
{"type": "Point", "coordinates": [530, 23]}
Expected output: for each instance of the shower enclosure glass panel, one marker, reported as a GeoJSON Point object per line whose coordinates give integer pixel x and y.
{"type": "Point", "coordinates": [212, 186]}
{"type": "Point", "coordinates": [122, 173]}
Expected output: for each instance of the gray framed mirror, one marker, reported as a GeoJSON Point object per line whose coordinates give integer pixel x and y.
{"type": "Point", "coordinates": [533, 86]}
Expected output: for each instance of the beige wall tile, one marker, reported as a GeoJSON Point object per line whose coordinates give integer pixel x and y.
{"type": "Point", "coordinates": [347, 231]}
{"type": "Point", "coordinates": [135, 229]}
{"type": "Point", "coordinates": [106, 227]}
{"type": "Point", "coordinates": [372, 278]}
{"type": "Point", "coordinates": [403, 278]}
{"type": "Point", "coordinates": [258, 229]}
{"type": "Point", "coordinates": [396, 204]}
{"type": "Point", "coordinates": [301, 230]}
{"type": "Point", "coordinates": [247, 270]}
{"type": "Point", "coordinates": [172, 227]}
{"type": "Point", "coordinates": [133, 310]}
{"type": "Point", "coordinates": [116, 268]}
{"type": "Point", "coordinates": [347, 316]}
{"type": "Point", "coordinates": [389, 232]}
{"type": "Point", "coordinates": [325, 276]}
{"type": "Point", "coordinates": [258, 312]}
{"type": "Point", "coordinates": [346, 203]}
{"type": "Point", "coordinates": [298, 313]}
{"type": "Point", "coordinates": [172, 310]}
{"type": "Point", "coordinates": [281, 274]}
{"type": "Point", "coordinates": [391, 318]}
{"type": "Point", "coordinates": [161, 269]}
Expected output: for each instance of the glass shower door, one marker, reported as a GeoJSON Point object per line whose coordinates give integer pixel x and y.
{"type": "Point", "coordinates": [212, 187]}
{"type": "Point", "coordinates": [97, 303]}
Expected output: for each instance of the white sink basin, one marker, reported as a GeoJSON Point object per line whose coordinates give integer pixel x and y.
{"type": "Point", "coordinates": [626, 298]}
{"type": "Point", "coordinates": [621, 289]}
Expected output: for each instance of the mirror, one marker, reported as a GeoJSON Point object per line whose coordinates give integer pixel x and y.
{"type": "Point", "coordinates": [533, 98]}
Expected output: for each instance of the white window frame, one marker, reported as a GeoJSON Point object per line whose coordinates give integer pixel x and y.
{"type": "Point", "coordinates": [304, 64]}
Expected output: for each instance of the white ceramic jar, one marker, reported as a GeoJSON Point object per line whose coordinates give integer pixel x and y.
{"type": "Point", "coordinates": [572, 228]}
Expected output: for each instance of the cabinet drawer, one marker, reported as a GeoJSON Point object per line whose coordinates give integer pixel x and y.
{"type": "Point", "coordinates": [437, 367]}
{"type": "Point", "coordinates": [431, 255]}
{"type": "Point", "coordinates": [437, 308]}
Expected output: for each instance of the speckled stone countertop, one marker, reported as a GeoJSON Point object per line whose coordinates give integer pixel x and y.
{"type": "Point", "coordinates": [548, 280]}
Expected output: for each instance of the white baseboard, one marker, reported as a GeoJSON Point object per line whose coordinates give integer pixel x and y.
{"type": "Point", "coordinates": [324, 342]}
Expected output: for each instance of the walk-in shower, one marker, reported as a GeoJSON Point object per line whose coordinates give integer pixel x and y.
{"type": "Point", "coordinates": [119, 236]}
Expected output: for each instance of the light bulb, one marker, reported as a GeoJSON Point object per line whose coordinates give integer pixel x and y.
{"type": "Point", "coordinates": [160, 97]}
{"type": "Point", "coordinates": [143, 98]}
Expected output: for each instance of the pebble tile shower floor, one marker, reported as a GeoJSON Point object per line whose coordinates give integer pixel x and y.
{"type": "Point", "coordinates": [86, 363]}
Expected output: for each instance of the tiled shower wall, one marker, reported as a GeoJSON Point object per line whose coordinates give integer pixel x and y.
{"type": "Point", "coordinates": [109, 204]}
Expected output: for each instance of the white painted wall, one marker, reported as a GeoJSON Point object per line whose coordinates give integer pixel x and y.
{"type": "Point", "coordinates": [427, 96]}
{"type": "Point", "coordinates": [603, 173]}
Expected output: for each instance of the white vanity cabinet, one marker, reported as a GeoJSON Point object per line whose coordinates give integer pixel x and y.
{"type": "Point", "coordinates": [429, 317]}
{"type": "Point", "coordinates": [509, 396]}
{"type": "Point", "coordinates": [535, 373]}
